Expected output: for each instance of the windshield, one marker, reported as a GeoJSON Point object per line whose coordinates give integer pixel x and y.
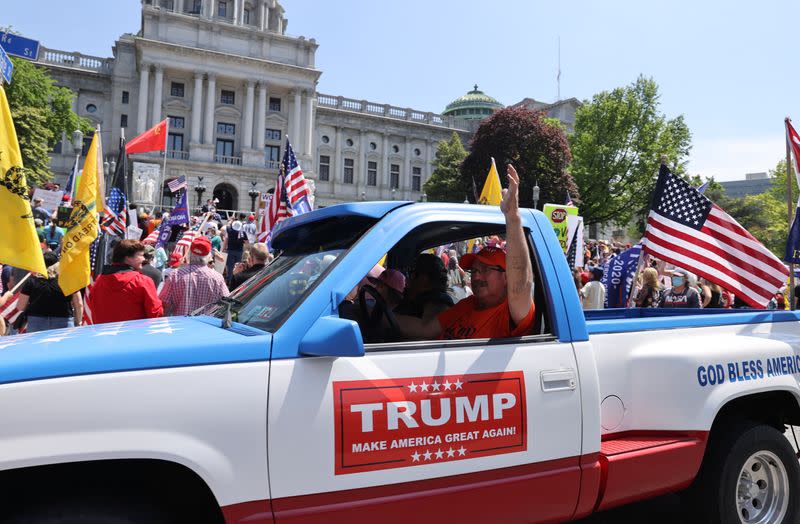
{"type": "Point", "coordinates": [271, 295]}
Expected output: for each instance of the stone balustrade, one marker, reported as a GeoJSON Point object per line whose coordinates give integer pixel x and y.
{"type": "Point", "coordinates": [75, 60]}
{"type": "Point", "coordinates": [401, 113]}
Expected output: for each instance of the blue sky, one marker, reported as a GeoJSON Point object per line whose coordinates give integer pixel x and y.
{"type": "Point", "coordinates": [731, 71]}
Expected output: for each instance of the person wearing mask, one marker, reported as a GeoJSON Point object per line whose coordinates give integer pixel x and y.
{"type": "Point", "coordinates": [259, 255]}
{"type": "Point", "coordinates": [680, 295]}
{"type": "Point", "coordinates": [650, 293]}
{"type": "Point", "coordinates": [195, 285]}
{"type": "Point", "coordinates": [122, 292]}
{"type": "Point", "coordinates": [148, 268]}
{"type": "Point", "coordinates": [593, 294]}
{"type": "Point", "coordinates": [233, 245]}
{"type": "Point", "coordinates": [44, 303]}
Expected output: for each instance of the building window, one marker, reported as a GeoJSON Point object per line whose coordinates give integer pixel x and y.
{"type": "Point", "coordinates": [325, 139]}
{"type": "Point", "coordinates": [123, 120]}
{"type": "Point", "coordinates": [416, 178]}
{"type": "Point", "coordinates": [175, 142]}
{"type": "Point", "coordinates": [226, 129]}
{"type": "Point", "coordinates": [395, 149]}
{"type": "Point", "coordinates": [417, 152]}
{"type": "Point", "coordinates": [373, 146]}
{"type": "Point", "coordinates": [324, 168]}
{"type": "Point", "coordinates": [394, 176]}
{"type": "Point", "coordinates": [275, 104]}
{"type": "Point", "coordinates": [348, 170]}
{"type": "Point", "coordinates": [246, 16]}
{"type": "Point", "coordinates": [176, 89]}
{"type": "Point", "coordinates": [125, 97]}
{"type": "Point", "coordinates": [372, 173]}
{"type": "Point", "coordinates": [176, 122]}
{"type": "Point", "coordinates": [196, 8]}
{"type": "Point", "coordinates": [227, 97]}
{"type": "Point", "coordinates": [91, 108]}
{"type": "Point", "coordinates": [273, 134]}
{"type": "Point", "coordinates": [349, 142]}
{"type": "Point", "coordinates": [222, 9]}
{"type": "Point", "coordinates": [273, 155]}
{"type": "Point", "coordinates": [87, 142]}
{"type": "Point", "coordinates": [224, 147]}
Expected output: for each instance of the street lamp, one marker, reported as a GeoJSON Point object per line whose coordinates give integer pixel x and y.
{"type": "Point", "coordinates": [394, 194]}
{"type": "Point", "coordinates": [363, 196]}
{"type": "Point", "coordinates": [424, 197]}
{"type": "Point", "coordinates": [536, 195]}
{"type": "Point", "coordinates": [77, 141]}
{"type": "Point", "coordinates": [466, 199]}
{"type": "Point", "coordinates": [200, 188]}
{"type": "Point", "coordinates": [253, 193]}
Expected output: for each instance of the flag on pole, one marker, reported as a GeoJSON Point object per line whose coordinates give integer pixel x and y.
{"type": "Point", "coordinates": [19, 243]}
{"type": "Point", "coordinates": [154, 139]}
{"type": "Point", "coordinates": [297, 190]}
{"type": "Point", "coordinates": [180, 213]}
{"type": "Point", "coordinates": [115, 212]}
{"type": "Point", "coordinates": [87, 310]}
{"type": "Point", "coordinates": [164, 232]}
{"type": "Point", "coordinates": [11, 311]}
{"type": "Point", "coordinates": [177, 184]}
{"type": "Point", "coordinates": [492, 192]}
{"type": "Point", "coordinates": [152, 238]}
{"type": "Point", "coordinates": [702, 187]}
{"type": "Point", "coordinates": [75, 269]}
{"type": "Point", "coordinates": [792, 253]}
{"type": "Point", "coordinates": [185, 242]}
{"type": "Point", "coordinates": [262, 225]}
{"type": "Point", "coordinates": [688, 230]}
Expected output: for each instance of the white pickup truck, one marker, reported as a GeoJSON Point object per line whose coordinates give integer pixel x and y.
{"type": "Point", "coordinates": [289, 415]}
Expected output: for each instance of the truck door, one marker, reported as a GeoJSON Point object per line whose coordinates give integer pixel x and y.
{"type": "Point", "coordinates": [470, 430]}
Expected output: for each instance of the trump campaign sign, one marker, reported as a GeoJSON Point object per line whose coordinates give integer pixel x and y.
{"type": "Point", "coordinates": [397, 423]}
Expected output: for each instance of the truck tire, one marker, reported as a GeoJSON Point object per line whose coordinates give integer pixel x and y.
{"type": "Point", "coordinates": [89, 513]}
{"type": "Point", "coordinates": [750, 475]}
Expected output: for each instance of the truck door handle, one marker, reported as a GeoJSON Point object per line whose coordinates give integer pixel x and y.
{"type": "Point", "coordinates": [558, 380]}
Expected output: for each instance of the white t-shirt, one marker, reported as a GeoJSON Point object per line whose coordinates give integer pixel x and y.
{"type": "Point", "coordinates": [594, 295]}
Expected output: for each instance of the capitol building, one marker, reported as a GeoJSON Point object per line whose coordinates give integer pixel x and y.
{"type": "Point", "coordinates": [234, 85]}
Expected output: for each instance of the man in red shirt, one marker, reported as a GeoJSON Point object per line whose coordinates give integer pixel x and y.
{"type": "Point", "coordinates": [502, 285]}
{"type": "Point", "coordinates": [121, 292]}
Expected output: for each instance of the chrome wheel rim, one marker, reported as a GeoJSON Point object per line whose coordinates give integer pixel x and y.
{"type": "Point", "coordinates": [762, 490]}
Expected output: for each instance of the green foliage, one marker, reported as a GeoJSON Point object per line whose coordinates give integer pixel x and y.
{"type": "Point", "coordinates": [41, 111]}
{"type": "Point", "coordinates": [445, 183]}
{"type": "Point", "coordinates": [619, 139]}
{"type": "Point", "coordinates": [538, 150]}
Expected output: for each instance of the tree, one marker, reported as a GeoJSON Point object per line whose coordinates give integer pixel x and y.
{"type": "Point", "coordinates": [538, 149]}
{"type": "Point", "coordinates": [445, 183]}
{"type": "Point", "coordinates": [41, 111]}
{"type": "Point", "coordinates": [619, 139]}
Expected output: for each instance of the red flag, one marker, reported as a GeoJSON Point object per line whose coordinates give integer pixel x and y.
{"type": "Point", "coordinates": [154, 139]}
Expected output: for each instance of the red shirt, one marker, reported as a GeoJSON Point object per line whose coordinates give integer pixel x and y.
{"type": "Point", "coordinates": [464, 321]}
{"type": "Point", "coordinates": [122, 293]}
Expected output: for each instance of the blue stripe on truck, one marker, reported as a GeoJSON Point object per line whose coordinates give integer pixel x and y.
{"type": "Point", "coordinates": [645, 319]}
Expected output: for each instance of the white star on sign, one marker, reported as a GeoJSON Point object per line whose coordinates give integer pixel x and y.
{"type": "Point", "coordinates": [457, 384]}
{"type": "Point", "coordinates": [447, 385]}
{"type": "Point", "coordinates": [461, 451]}
{"type": "Point", "coordinates": [415, 457]}
{"type": "Point", "coordinates": [451, 452]}
{"type": "Point", "coordinates": [427, 455]}
{"type": "Point", "coordinates": [423, 386]}
{"type": "Point", "coordinates": [7, 344]}
{"type": "Point", "coordinates": [110, 332]}
{"type": "Point", "coordinates": [54, 338]}
{"type": "Point", "coordinates": [412, 388]}
{"type": "Point", "coordinates": [435, 386]}
{"type": "Point", "coordinates": [439, 454]}
{"type": "Point", "coordinates": [163, 330]}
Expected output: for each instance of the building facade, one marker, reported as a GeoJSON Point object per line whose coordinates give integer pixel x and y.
{"type": "Point", "coordinates": [234, 87]}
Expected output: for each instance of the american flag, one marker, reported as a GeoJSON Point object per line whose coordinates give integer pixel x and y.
{"type": "Point", "coordinates": [10, 311]}
{"type": "Point", "coordinates": [87, 310]}
{"type": "Point", "coordinates": [116, 213]}
{"type": "Point", "coordinates": [262, 225]}
{"type": "Point", "coordinates": [688, 230]}
{"type": "Point", "coordinates": [152, 238]}
{"type": "Point", "coordinates": [186, 240]}
{"type": "Point", "coordinates": [296, 186]}
{"type": "Point", "coordinates": [177, 184]}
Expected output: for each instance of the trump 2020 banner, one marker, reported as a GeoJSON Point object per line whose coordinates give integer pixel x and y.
{"type": "Point", "coordinates": [618, 275]}
{"type": "Point", "coordinates": [404, 422]}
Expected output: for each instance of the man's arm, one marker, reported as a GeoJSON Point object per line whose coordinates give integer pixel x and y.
{"type": "Point", "coordinates": [414, 328]}
{"type": "Point", "coordinates": [519, 273]}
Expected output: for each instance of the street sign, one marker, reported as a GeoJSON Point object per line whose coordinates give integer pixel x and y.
{"type": "Point", "coordinates": [19, 46]}
{"type": "Point", "coordinates": [6, 65]}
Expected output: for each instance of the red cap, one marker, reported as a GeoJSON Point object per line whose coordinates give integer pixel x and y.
{"type": "Point", "coordinates": [201, 246]}
{"type": "Point", "coordinates": [251, 218]}
{"type": "Point", "coordinates": [393, 279]}
{"type": "Point", "coordinates": [491, 256]}
{"type": "Point", "coordinates": [175, 260]}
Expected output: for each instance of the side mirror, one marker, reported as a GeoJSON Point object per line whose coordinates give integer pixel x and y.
{"type": "Point", "coordinates": [333, 337]}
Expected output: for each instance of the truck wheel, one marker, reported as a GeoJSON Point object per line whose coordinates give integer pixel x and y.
{"type": "Point", "coordinates": [71, 513]}
{"type": "Point", "coordinates": [750, 476]}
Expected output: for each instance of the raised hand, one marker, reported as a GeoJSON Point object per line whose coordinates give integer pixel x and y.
{"type": "Point", "coordinates": [510, 202]}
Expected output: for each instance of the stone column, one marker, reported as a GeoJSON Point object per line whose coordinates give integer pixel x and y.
{"type": "Point", "coordinates": [405, 174]}
{"type": "Point", "coordinates": [158, 88]}
{"type": "Point", "coordinates": [297, 126]}
{"type": "Point", "coordinates": [197, 106]}
{"type": "Point", "coordinates": [264, 16]}
{"type": "Point", "coordinates": [248, 115]}
{"type": "Point", "coordinates": [261, 116]}
{"type": "Point", "coordinates": [211, 97]}
{"type": "Point", "coordinates": [308, 136]}
{"type": "Point", "coordinates": [337, 169]}
{"type": "Point", "coordinates": [384, 180]}
{"type": "Point", "coordinates": [237, 12]}
{"type": "Point", "coordinates": [144, 83]}
{"type": "Point", "coordinates": [361, 173]}
{"type": "Point", "coordinates": [179, 6]}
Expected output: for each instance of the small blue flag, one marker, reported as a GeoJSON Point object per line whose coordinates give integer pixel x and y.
{"type": "Point", "coordinates": [792, 254]}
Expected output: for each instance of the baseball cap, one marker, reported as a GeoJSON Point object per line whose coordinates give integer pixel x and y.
{"type": "Point", "coordinates": [149, 250]}
{"type": "Point", "coordinates": [201, 246]}
{"type": "Point", "coordinates": [681, 272]}
{"type": "Point", "coordinates": [251, 218]}
{"type": "Point", "coordinates": [175, 260]}
{"type": "Point", "coordinates": [491, 256]}
{"type": "Point", "coordinates": [392, 278]}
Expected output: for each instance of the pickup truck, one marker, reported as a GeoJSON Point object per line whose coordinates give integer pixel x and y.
{"type": "Point", "coordinates": [271, 407]}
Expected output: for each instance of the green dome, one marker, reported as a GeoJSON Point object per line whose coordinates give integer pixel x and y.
{"type": "Point", "coordinates": [475, 105]}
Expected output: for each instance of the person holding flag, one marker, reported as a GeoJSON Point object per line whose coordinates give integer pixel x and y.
{"type": "Point", "coordinates": [82, 224]}
{"type": "Point", "coordinates": [20, 246]}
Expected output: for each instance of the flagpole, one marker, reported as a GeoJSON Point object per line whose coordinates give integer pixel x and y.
{"type": "Point", "coordinates": [164, 169]}
{"type": "Point", "coordinates": [789, 209]}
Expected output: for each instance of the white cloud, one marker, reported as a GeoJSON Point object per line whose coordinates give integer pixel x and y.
{"type": "Point", "coordinates": [732, 158]}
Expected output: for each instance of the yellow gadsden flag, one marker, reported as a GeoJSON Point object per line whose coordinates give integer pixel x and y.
{"type": "Point", "coordinates": [75, 269]}
{"type": "Point", "coordinates": [492, 192]}
{"type": "Point", "coordinates": [19, 244]}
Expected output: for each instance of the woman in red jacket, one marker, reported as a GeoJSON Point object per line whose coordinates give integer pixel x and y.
{"type": "Point", "coordinates": [121, 292]}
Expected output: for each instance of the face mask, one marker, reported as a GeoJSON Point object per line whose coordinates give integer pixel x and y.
{"type": "Point", "coordinates": [677, 281]}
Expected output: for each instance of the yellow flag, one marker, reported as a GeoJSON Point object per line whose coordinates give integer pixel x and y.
{"type": "Point", "coordinates": [75, 268]}
{"type": "Point", "coordinates": [492, 191]}
{"type": "Point", "coordinates": [19, 243]}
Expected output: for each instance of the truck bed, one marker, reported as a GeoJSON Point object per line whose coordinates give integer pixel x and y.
{"type": "Point", "coordinates": [623, 320]}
